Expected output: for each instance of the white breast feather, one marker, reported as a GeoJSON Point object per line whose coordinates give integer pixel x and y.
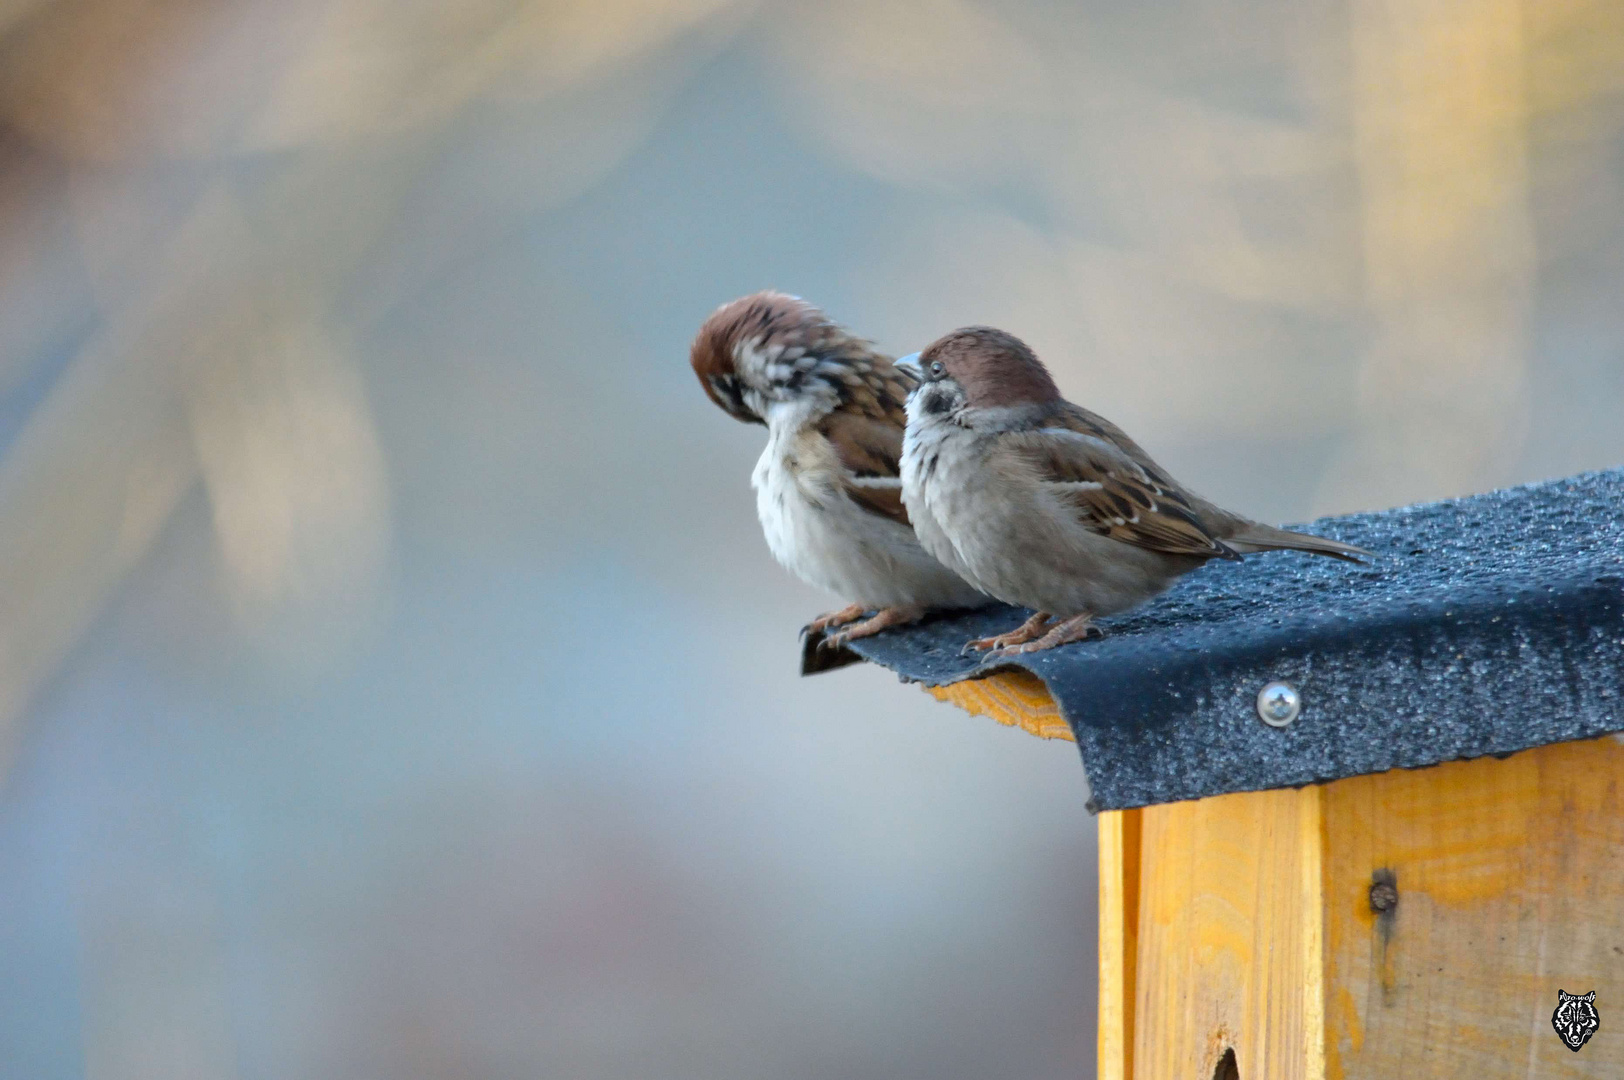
{"type": "Point", "coordinates": [827, 540]}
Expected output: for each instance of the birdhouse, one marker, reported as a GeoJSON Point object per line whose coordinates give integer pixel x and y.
{"type": "Point", "coordinates": [1355, 823]}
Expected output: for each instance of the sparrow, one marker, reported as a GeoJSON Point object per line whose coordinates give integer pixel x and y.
{"type": "Point", "coordinates": [1045, 505]}
{"type": "Point", "coordinates": [827, 487]}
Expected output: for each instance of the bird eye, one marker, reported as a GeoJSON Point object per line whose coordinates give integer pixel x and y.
{"type": "Point", "coordinates": [936, 369]}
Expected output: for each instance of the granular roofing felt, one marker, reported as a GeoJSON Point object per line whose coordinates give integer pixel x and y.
{"type": "Point", "coordinates": [1485, 625]}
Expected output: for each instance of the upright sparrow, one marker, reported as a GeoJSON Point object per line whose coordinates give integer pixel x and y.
{"type": "Point", "coordinates": [1043, 504]}
{"type": "Point", "coordinates": [827, 489]}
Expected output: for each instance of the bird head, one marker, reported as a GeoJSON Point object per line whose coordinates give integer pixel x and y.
{"type": "Point", "coordinates": [981, 367]}
{"type": "Point", "coordinates": [771, 353]}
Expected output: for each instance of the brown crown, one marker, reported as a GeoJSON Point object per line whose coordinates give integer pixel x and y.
{"type": "Point", "coordinates": [864, 382]}
{"type": "Point", "coordinates": [994, 367]}
{"type": "Point", "coordinates": [773, 317]}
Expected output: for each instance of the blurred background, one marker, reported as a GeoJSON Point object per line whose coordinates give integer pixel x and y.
{"type": "Point", "coordinates": [393, 680]}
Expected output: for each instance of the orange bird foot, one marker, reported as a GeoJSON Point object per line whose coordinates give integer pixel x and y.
{"type": "Point", "coordinates": [849, 613]}
{"type": "Point", "coordinates": [883, 619]}
{"type": "Point", "coordinates": [1029, 630]}
{"type": "Point", "coordinates": [1076, 628]}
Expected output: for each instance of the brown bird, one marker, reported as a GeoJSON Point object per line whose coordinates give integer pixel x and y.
{"type": "Point", "coordinates": [1043, 504]}
{"type": "Point", "coordinates": [827, 486]}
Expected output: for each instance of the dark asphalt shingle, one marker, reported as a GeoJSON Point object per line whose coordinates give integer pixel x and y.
{"type": "Point", "coordinates": [1486, 625]}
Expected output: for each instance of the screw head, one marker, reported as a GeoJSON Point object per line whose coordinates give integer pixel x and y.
{"type": "Point", "coordinates": [1278, 704]}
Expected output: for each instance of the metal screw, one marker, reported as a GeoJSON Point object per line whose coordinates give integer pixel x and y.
{"type": "Point", "coordinates": [1278, 704]}
{"type": "Point", "coordinates": [1383, 896]}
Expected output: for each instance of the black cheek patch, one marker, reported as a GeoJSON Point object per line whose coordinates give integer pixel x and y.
{"type": "Point", "coordinates": [936, 404]}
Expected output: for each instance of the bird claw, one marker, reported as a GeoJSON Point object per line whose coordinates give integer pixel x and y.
{"type": "Point", "coordinates": [848, 614]}
{"type": "Point", "coordinates": [1020, 642]}
{"type": "Point", "coordinates": [1033, 627]}
{"type": "Point", "coordinates": [883, 619]}
{"type": "Point", "coordinates": [1003, 651]}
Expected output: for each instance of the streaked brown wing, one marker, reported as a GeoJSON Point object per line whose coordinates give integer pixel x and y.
{"type": "Point", "coordinates": [874, 387]}
{"type": "Point", "coordinates": [870, 449]}
{"type": "Point", "coordinates": [1116, 495]}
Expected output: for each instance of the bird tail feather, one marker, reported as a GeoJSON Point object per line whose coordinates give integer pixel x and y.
{"type": "Point", "coordinates": [1267, 538]}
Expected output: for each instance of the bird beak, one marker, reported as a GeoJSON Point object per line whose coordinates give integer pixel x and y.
{"type": "Point", "coordinates": [911, 362]}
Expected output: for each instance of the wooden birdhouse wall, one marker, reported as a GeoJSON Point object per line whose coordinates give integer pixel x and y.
{"type": "Point", "coordinates": [1407, 924]}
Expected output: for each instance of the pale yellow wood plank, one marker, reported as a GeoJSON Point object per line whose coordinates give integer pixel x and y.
{"type": "Point", "coordinates": [1119, 926]}
{"type": "Point", "coordinates": [1510, 882]}
{"type": "Point", "coordinates": [1016, 698]}
{"type": "Point", "coordinates": [1229, 939]}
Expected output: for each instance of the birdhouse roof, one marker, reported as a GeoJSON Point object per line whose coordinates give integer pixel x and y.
{"type": "Point", "coordinates": [1485, 625]}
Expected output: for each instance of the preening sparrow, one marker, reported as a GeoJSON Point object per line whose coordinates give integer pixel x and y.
{"type": "Point", "coordinates": [827, 486]}
{"type": "Point", "coordinates": [1043, 504]}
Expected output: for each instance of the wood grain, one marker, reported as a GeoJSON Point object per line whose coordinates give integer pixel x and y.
{"type": "Point", "coordinates": [1015, 698]}
{"type": "Point", "coordinates": [1510, 882]}
{"type": "Point", "coordinates": [1120, 837]}
{"type": "Point", "coordinates": [1229, 938]}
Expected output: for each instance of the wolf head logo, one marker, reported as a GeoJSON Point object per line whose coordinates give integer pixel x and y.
{"type": "Point", "coordinates": [1575, 1018]}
